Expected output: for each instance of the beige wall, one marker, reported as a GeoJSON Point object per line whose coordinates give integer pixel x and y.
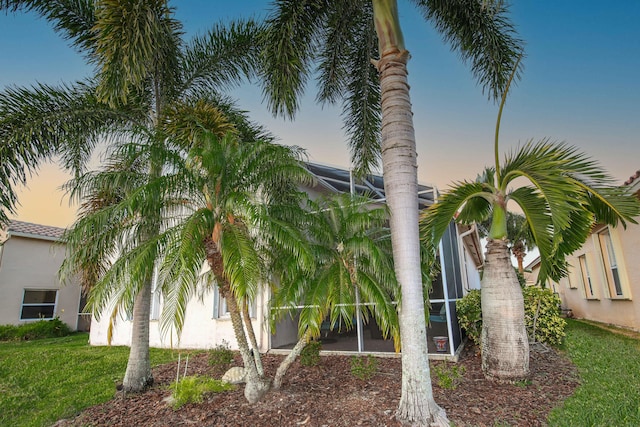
{"type": "Point", "coordinates": [28, 263]}
{"type": "Point", "coordinates": [604, 305]}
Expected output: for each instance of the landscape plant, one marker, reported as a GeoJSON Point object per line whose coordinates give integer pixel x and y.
{"type": "Point", "coordinates": [543, 319]}
{"type": "Point", "coordinates": [358, 50]}
{"type": "Point", "coordinates": [194, 388]}
{"type": "Point", "coordinates": [52, 328]}
{"type": "Point", "coordinates": [564, 194]}
{"type": "Point", "coordinates": [364, 367]}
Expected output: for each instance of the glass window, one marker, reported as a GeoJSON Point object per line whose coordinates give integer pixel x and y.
{"type": "Point", "coordinates": [586, 277]}
{"type": "Point", "coordinates": [38, 304]}
{"type": "Point", "coordinates": [610, 264]}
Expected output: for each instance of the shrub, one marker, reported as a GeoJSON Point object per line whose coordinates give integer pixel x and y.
{"type": "Point", "coordinates": [192, 389]}
{"type": "Point", "coordinates": [310, 355]}
{"type": "Point", "coordinates": [53, 328]}
{"type": "Point", "coordinates": [364, 367]}
{"type": "Point", "coordinates": [541, 309]}
{"type": "Point", "coordinates": [542, 312]}
{"type": "Point", "coordinates": [469, 313]}
{"type": "Point", "coordinates": [221, 355]}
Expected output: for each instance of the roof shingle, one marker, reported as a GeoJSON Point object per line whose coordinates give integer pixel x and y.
{"type": "Point", "coordinates": [35, 230]}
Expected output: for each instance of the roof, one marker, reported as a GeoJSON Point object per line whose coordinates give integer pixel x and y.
{"type": "Point", "coordinates": [34, 231]}
{"type": "Point", "coordinates": [632, 178]}
{"type": "Point", "coordinates": [339, 180]}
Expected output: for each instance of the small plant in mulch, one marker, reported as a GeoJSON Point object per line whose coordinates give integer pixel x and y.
{"type": "Point", "coordinates": [221, 356]}
{"type": "Point", "coordinates": [310, 355]}
{"type": "Point", "coordinates": [364, 368]}
{"type": "Point", "coordinates": [448, 376]}
{"type": "Point", "coordinates": [193, 389]}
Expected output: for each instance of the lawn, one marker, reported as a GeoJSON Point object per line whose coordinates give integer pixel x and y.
{"type": "Point", "coordinates": [609, 368]}
{"type": "Point", "coordinates": [42, 381]}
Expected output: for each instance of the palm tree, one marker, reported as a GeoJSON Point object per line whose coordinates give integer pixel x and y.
{"type": "Point", "coordinates": [146, 79]}
{"type": "Point", "coordinates": [344, 38]}
{"type": "Point", "coordinates": [518, 236]}
{"type": "Point", "coordinates": [567, 193]}
{"type": "Point", "coordinates": [353, 277]}
{"type": "Point", "coordinates": [238, 212]}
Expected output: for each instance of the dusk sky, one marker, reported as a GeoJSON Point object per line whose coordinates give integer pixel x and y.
{"type": "Point", "coordinates": [580, 85]}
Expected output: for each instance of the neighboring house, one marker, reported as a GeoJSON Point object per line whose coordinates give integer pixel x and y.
{"type": "Point", "coordinates": [30, 257]}
{"type": "Point", "coordinates": [604, 278]}
{"type": "Point", "coordinates": [208, 324]}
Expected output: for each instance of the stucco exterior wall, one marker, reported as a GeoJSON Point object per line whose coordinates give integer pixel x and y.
{"type": "Point", "coordinates": [201, 330]}
{"type": "Point", "coordinates": [29, 263]}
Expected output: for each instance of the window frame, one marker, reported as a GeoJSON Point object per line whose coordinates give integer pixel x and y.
{"type": "Point", "coordinates": [586, 277]}
{"type": "Point", "coordinates": [611, 266]}
{"type": "Point", "coordinates": [54, 304]}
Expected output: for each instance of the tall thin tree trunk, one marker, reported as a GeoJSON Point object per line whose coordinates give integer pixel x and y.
{"type": "Point", "coordinates": [417, 405]}
{"type": "Point", "coordinates": [288, 361]}
{"type": "Point", "coordinates": [252, 337]}
{"type": "Point", "coordinates": [138, 374]}
{"type": "Point", "coordinates": [504, 340]}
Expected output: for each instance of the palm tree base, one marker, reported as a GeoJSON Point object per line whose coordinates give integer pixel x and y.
{"type": "Point", "coordinates": [504, 340]}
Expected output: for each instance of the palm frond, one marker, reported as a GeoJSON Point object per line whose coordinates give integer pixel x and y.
{"type": "Point", "coordinates": [482, 34]}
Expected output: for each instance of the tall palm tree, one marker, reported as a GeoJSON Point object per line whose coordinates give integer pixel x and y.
{"type": "Point", "coordinates": [361, 61]}
{"type": "Point", "coordinates": [146, 77]}
{"type": "Point", "coordinates": [567, 193]}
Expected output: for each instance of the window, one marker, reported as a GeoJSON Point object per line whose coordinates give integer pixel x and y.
{"type": "Point", "coordinates": [586, 277]}
{"type": "Point", "coordinates": [38, 304]}
{"type": "Point", "coordinates": [612, 273]}
{"type": "Point", "coordinates": [220, 309]}
{"type": "Point", "coordinates": [154, 313]}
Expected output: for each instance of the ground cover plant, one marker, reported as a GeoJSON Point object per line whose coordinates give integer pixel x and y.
{"type": "Point", "coordinates": [44, 380]}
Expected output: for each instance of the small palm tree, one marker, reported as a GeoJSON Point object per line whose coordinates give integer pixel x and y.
{"type": "Point", "coordinates": [353, 275]}
{"type": "Point", "coordinates": [239, 201]}
{"type": "Point", "coordinates": [567, 193]}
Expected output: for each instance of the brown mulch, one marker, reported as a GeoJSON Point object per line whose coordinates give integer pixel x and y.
{"type": "Point", "coordinates": [329, 395]}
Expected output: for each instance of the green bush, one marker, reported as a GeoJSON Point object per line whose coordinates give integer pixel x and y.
{"type": "Point", "coordinates": [54, 328]}
{"type": "Point", "coordinates": [192, 389]}
{"type": "Point", "coordinates": [470, 315]}
{"type": "Point", "coordinates": [541, 308]}
{"type": "Point", "coordinates": [310, 355]}
{"type": "Point", "coordinates": [364, 367]}
{"type": "Point", "coordinates": [221, 355]}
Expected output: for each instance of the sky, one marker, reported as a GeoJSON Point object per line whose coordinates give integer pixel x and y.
{"type": "Point", "coordinates": [580, 85]}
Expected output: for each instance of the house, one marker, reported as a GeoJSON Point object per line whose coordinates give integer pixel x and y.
{"type": "Point", "coordinates": [30, 257]}
{"type": "Point", "coordinates": [208, 323]}
{"type": "Point", "coordinates": [604, 278]}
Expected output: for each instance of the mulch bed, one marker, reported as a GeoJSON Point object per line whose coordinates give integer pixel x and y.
{"type": "Point", "coordinates": [329, 395]}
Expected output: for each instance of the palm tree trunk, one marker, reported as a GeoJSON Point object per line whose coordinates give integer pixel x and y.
{"type": "Point", "coordinates": [252, 337]}
{"type": "Point", "coordinates": [288, 361]}
{"type": "Point", "coordinates": [417, 405]}
{"type": "Point", "coordinates": [138, 374]}
{"type": "Point", "coordinates": [504, 341]}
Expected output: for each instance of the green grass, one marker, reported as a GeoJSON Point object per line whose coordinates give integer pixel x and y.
{"type": "Point", "coordinates": [42, 381]}
{"type": "Point", "coordinates": [609, 369]}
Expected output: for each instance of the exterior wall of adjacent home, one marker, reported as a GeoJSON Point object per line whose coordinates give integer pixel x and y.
{"type": "Point", "coordinates": [590, 290]}
{"type": "Point", "coordinates": [33, 264]}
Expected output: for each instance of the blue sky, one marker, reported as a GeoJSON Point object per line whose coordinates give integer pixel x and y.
{"type": "Point", "coordinates": [580, 85]}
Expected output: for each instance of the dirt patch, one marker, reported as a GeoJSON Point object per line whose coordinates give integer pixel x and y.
{"type": "Point", "coordinates": [330, 395]}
